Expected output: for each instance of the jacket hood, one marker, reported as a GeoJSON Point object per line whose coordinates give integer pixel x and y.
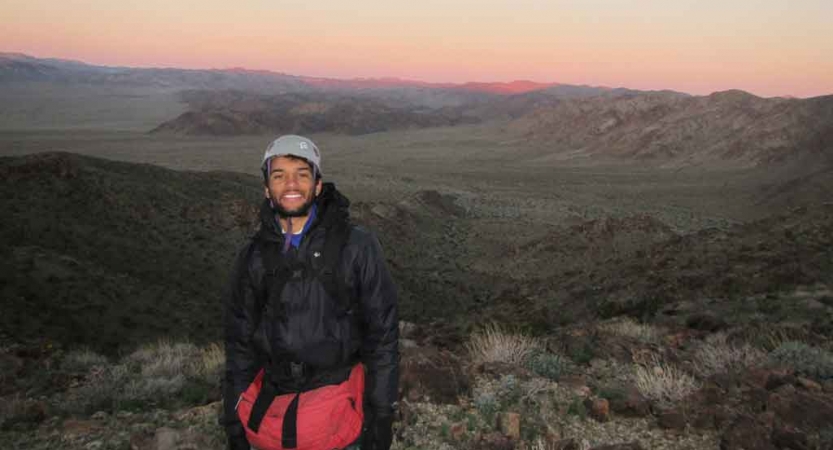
{"type": "Point", "coordinates": [333, 207]}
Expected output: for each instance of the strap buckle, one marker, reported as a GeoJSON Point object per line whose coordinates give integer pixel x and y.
{"type": "Point", "coordinates": [297, 370]}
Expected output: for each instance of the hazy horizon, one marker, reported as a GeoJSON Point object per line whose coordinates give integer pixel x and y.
{"type": "Point", "coordinates": [765, 48]}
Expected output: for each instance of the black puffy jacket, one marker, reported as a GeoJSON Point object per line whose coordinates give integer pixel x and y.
{"type": "Point", "coordinates": [310, 326]}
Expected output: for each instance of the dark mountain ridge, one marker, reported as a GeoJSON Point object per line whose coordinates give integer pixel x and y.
{"type": "Point", "coordinates": [683, 130]}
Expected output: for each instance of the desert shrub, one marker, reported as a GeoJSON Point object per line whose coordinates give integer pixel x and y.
{"type": "Point", "coordinates": [82, 360]}
{"type": "Point", "coordinates": [156, 375]}
{"type": "Point", "coordinates": [152, 390]}
{"type": "Point", "coordinates": [209, 365]}
{"type": "Point", "coordinates": [545, 364]}
{"type": "Point", "coordinates": [628, 327]}
{"type": "Point", "coordinates": [664, 383]}
{"type": "Point", "coordinates": [100, 390]}
{"type": "Point", "coordinates": [612, 393]}
{"type": "Point", "coordinates": [493, 344]}
{"type": "Point", "coordinates": [492, 396]}
{"type": "Point", "coordinates": [577, 408]}
{"type": "Point", "coordinates": [487, 405]}
{"type": "Point", "coordinates": [582, 354]}
{"type": "Point", "coordinates": [805, 359]}
{"type": "Point", "coordinates": [165, 359]}
{"type": "Point", "coordinates": [718, 356]}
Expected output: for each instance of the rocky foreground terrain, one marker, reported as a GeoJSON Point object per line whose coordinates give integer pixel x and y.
{"type": "Point", "coordinates": [616, 384]}
{"type": "Point", "coordinates": [615, 332]}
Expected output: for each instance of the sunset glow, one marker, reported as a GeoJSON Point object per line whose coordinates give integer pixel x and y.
{"type": "Point", "coordinates": [769, 48]}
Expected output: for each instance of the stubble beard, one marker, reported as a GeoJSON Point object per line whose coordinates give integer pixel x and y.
{"type": "Point", "coordinates": [301, 211]}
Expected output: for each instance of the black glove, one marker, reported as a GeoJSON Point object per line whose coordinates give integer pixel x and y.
{"type": "Point", "coordinates": [378, 432]}
{"type": "Point", "coordinates": [238, 442]}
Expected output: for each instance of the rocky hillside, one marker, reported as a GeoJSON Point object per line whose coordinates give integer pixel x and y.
{"type": "Point", "coordinates": [639, 267]}
{"type": "Point", "coordinates": [235, 113]}
{"type": "Point", "coordinates": [731, 126]}
{"type": "Point", "coordinates": [109, 254]}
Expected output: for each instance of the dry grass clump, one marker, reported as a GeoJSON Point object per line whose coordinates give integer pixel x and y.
{"type": "Point", "coordinates": [718, 356]}
{"type": "Point", "coordinates": [630, 328]}
{"type": "Point", "coordinates": [664, 383]}
{"type": "Point", "coordinates": [156, 374]}
{"type": "Point", "coordinates": [164, 358]}
{"type": "Point", "coordinates": [210, 362]}
{"type": "Point", "coordinates": [493, 344]}
{"type": "Point", "coordinates": [770, 336]}
{"type": "Point", "coordinates": [82, 360]}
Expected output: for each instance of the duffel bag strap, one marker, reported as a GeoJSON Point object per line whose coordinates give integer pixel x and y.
{"type": "Point", "coordinates": [264, 399]}
{"type": "Point", "coordinates": [289, 436]}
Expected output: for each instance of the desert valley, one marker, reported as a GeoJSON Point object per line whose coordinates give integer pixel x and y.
{"type": "Point", "coordinates": [578, 267]}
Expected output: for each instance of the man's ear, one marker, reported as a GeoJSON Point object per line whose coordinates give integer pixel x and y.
{"type": "Point", "coordinates": [318, 187]}
{"type": "Point", "coordinates": [266, 192]}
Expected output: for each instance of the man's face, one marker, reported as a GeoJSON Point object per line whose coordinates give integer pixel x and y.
{"type": "Point", "coordinates": [291, 186]}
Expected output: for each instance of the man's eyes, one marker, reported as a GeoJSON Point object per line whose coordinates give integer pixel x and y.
{"type": "Point", "coordinates": [281, 175]}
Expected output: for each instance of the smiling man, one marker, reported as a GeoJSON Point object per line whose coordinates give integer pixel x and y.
{"type": "Point", "coordinates": [311, 325]}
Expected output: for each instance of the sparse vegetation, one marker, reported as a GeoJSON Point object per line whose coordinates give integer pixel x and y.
{"type": "Point", "coordinates": [628, 327]}
{"type": "Point", "coordinates": [162, 374]}
{"type": "Point", "coordinates": [805, 359]}
{"type": "Point", "coordinates": [664, 383]}
{"type": "Point", "coordinates": [82, 360]}
{"type": "Point", "coordinates": [494, 344]}
{"type": "Point", "coordinates": [545, 364]}
{"type": "Point", "coordinates": [716, 355]}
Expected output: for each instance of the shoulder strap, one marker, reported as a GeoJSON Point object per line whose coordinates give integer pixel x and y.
{"type": "Point", "coordinates": [277, 272]}
{"type": "Point", "coordinates": [329, 275]}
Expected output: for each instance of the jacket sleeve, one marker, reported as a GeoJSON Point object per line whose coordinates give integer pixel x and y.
{"type": "Point", "coordinates": [240, 316]}
{"type": "Point", "coordinates": [380, 343]}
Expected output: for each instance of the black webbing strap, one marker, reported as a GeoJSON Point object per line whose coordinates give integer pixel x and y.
{"type": "Point", "coordinates": [289, 437]}
{"type": "Point", "coordinates": [264, 399]}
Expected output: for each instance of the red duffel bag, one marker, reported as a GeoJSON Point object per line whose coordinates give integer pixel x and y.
{"type": "Point", "coordinates": [328, 417]}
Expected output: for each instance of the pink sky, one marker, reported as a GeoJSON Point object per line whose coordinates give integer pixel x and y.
{"type": "Point", "coordinates": [769, 48]}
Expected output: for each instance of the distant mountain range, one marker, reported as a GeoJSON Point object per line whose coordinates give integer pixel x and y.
{"type": "Point", "coordinates": [565, 121]}
{"type": "Point", "coordinates": [20, 67]}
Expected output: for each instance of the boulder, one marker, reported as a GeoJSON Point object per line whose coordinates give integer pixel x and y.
{"type": "Point", "coordinates": [598, 408]}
